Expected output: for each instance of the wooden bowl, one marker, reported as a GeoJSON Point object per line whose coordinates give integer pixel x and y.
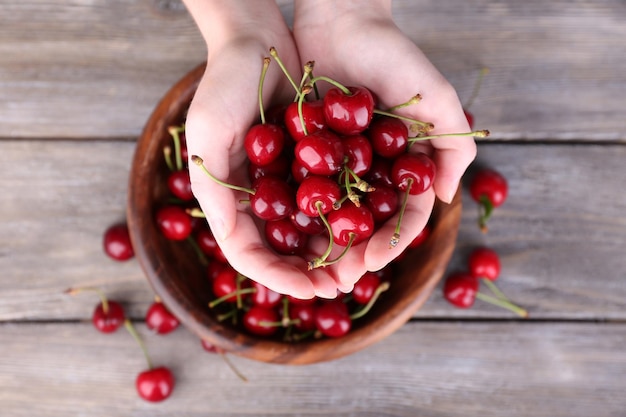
{"type": "Point", "coordinates": [181, 282]}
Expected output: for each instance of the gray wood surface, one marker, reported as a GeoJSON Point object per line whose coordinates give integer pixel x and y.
{"type": "Point", "coordinates": [78, 81]}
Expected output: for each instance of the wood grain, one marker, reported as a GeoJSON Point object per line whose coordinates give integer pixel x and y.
{"type": "Point", "coordinates": [429, 369]}
{"type": "Point", "coordinates": [560, 234]}
{"type": "Point", "coordinates": [97, 68]}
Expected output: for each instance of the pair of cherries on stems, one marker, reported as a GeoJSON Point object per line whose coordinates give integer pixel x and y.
{"type": "Point", "coordinates": [336, 165]}
{"type": "Point", "coordinates": [156, 383]}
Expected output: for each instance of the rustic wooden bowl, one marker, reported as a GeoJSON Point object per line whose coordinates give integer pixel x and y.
{"type": "Point", "coordinates": [181, 282]}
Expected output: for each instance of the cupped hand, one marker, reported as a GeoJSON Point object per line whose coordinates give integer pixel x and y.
{"type": "Point", "coordinates": [359, 45]}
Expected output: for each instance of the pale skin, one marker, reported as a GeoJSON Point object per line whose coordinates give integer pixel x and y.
{"type": "Point", "coordinates": [355, 43]}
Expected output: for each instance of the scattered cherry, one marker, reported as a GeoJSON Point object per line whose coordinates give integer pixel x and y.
{"type": "Point", "coordinates": [484, 263]}
{"type": "Point", "coordinates": [108, 315]}
{"type": "Point", "coordinates": [156, 384]}
{"type": "Point", "coordinates": [117, 244]}
{"type": "Point", "coordinates": [159, 319]}
{"type": "Point", "coordinates": [489, 189]}
{"type": "Point", "coordinates": [460, 289]}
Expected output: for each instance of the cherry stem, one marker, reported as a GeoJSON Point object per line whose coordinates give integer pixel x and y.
{"type": "Point", "coordinates": [232, 366]}
{"type": "Point", "coordinates": [384, 286]}
{"type": "Point", "coordinates": [266, 64]}
{"type": "Point", "coordinates": [133, 332]}
{"type": "Point", "coordinates": [324, 262]}
{"type": "Point", "coordinates": [231, 313]}
{"type": "Point", "coordinates": [300, 114]}
{"type": "Point", "coordinates": [236, 293]}
{"type": "Point", "coordinates": [395, 239]}
{"type": "Point", "coordinates": [201, 256]}
{"type": "Point", "coordinates": [479, 80]}
{"type": "Point", "coordinates": [308, 69]}
{"type": "Point", "coordinates": [174, 131]}
{"type": "Point", "coordinates": [477, 134]}
{"type": "Point", "coordinates": [167, 154]}
{"type": "Point", "coordinates": [426, 126]}
{"type": "Point", "coordinates": [340, 86]}
{"type": "Point", "coordinates": [103, 298]}
{"type": "Point", "coordinates": [274, 54]}
{"type": "Point", "coordinates": [494, 289]}
{"type": "Point", "coordinates": [196, 212]}
{"type": "Point", "coordinates": [503, 303]}
{"type": "Point", "coordinates": [485, 208]}
{"type": "Point", "coordinates": [200, 162]}
{"type": "Point", "coordinates": [413, 100]}
{"type": "Point", "coordinates": [317, 262]}
{"type": "Point", "coordinates": [283, 323]}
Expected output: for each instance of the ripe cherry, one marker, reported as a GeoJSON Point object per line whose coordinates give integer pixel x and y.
{"type": "Point", "coordinates": [225, 284]}
{"type": "Point", "coordinates": [285, 238]}
{"type": "Point", "coordinates": [307, 224]}
{"type": "Point", "coordinates": [179, 184]}
{"type": "Point", "coordinates": [351, 224]}
{"type": "Point", "coordinates": [302, 316]}
{"type": "Point", "coordinates": [348, 111]}
{"type": "Point", "coordinates": [108, 315]}
{"type": "Point", "coordinates": [312, 114]}
{"type": "Point", "coordinates": [389, 136]}
{"type": "Point", "coordinates": [261, 321]}
{"type": "Point", "coordinates": [321, 153]}
{"type": "Point", "coordinates": [460, 289]}
{"type": "Point", "coordinates": [484, 263]}
{"type": "Point", "coordinates": [413, 173]}
{"type": "Point", "coordinates": [382, 202]}
{"type": "Point", "coordinates": [332, 318]}
{"type": "Point", "coordinates": [316, 191]}
{"type": "Point", "coordinates": [174, 222]}
{"type": "Point", "coordinates": [470, 118]}
{"type": "Point", "coordinates": [272, 199]}
{"type": "Point", "coordinates": [380, 172]}
{"type": "Point", "coordinates": [117, 244]}
{"type": "Point", "coordinates": [156, 384]}
{"type": "Point", "coordinates": [365, 288]}
{"type": "Point", "coordinates": [279, 168]}
{"type": "Point", "coordinates": [359, 153]}
{"type": "Point", "coordinates": [489, 189]}
{"type": "Point", "coordinates": [159, 319]}
{"type": "Point", "coordinates": [264, 297]}
{"type": "Point", "coordinates": [208, 245]}
{"type": "Point", "coordinates": [264, 143]}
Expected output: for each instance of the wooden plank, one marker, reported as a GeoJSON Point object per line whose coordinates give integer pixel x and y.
{"type": "Point", "coordinates": [560, 234]}
{"type": "Point", "coordinates": [426, 368]}
{"type": "Point", "coordinates": [97, 68]}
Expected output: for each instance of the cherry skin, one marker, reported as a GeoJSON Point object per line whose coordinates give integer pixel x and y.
{"type": "Point", "coordinates": [110, 320]}
{"type": "Point", "coordinates": [332, 319]}
{"type": "Point", "coordinates": [350, 220]}
{"type": "Point", "coordinates": [321, 153]}
{"type": "Point", "coordinates": [174, 222]}
{"type": "Point", "coordinates": [316, 189]}
{"type": "Point", "coordinates": [264, 297]}
{"type": "Point", "coordinates": [358, 151]}
{"type": "Point", "coordinates": [261, 321]}
{"type": "Point", "coordinates": [179, 184]}
{"type": "Point", "coordinates": [313, 115]}
{"type": "Point", "coordinates": [279, 168]}
{"type": "Point", "coordinates": [460, 289]}
{"type": "Point", "coordinates": [491, 185]}
{"type": "Point", "coordinates": [285, 238]}
{"type": "Point", "coordinates": [365, 287]}
{"type": "Point", "coordinates": [382, 202]}
{"type": "Point", "coordinates": [470, 118]}
{"type": "Point", "coordinates": [303, 316]}
{"type": "Point", "coordinates": [298, 171]}
{"type": "Point", "coordinates": [421, 237]}
{"type": "Point", "coordinates": [264, 143]}
{"type": "Point", "coordinates": [272, 200]}
{"type": "Point", "coordinates": [484, 263]}
{"type": "Point", "coordinates": [389, 136]}
{"type": "Point", "coordinates": [348, 114]}
{"type": "Point", "coordinates": [224, 283]}
{"type": "Point", "coordinates": [117, 244]}
{"type": "Point", "coordinates": [413, 172]}
{"type": "Point", "coordinates": [155, 384]}
{"type": "Point", "coordinates": [160, 320]}
{"type": "Point", "coordinates": [208, 245]}
{"type": "Point", "coordinates": [307, 224]}
{"type": "Point", "coordinates": [214, 268]}
{"type": "Point", "coordinates": [380, 171]}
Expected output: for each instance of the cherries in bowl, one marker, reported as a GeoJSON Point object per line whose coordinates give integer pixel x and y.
{"type": "Point", "coordinates": [183, 283]}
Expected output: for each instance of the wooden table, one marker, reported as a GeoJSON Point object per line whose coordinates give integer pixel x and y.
{"type": "Point", "coordinates": [79, 79]}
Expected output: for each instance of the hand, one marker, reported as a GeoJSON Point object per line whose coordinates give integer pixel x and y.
{"type": "Point", "coordinates": [360, 45]}
{"type": "Point", "coordinates": [239, 35]}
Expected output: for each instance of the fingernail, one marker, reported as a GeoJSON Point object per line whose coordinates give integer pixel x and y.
{"type": "Point", "coordinates": [218, 228]}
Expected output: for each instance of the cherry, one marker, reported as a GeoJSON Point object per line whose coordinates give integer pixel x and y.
{"type": "Point", "coordinates": [307, 224]}
{"type": "Point", "coordinates": [317, 195]}
{"type": "Point", "coordinates": [117, 244]}
{"type": "Point", "coordinates": [365, 288]}
{"type": "Point", "coordinates": [389, 136]}
{"type": "Point", "coordinates": [348, 110]}
{"type": "Point", "coordinates": [382, 202]}
{"type": "Point", "coordinates": [421, 236]}
{"type": "Point", "coordinates": [469, 117]}
{"type": "Point", "coordinates": [264, 297]}
{"type": "Point", "coordinates": [214, 268]}
{"type": "Point", "coordinates": [174, 222]}
{"type": "Point", "coordinates": [261, 321]}
{"type": "Point", "coordinates": [302, 316]}
{"type": "Point", "coordinates": [321, 153]}
{"type": "Point", "coordinates": [489, 189]}
{"type": "Point", "coordinates": [351, 224]}
{"type": "Point", "coordinates": [179, 184]}
{"type": "Point", "coordinates": [312, 114]}
{"type": "Point", "coordinates": [332, 319]}
{"type": "Point", "coordinates": [484, 263]}
{"type": "Point", "coordinates": [379, 172]}
{"type": "Point", "coordinates": [272, 199]}
{"type": "Point", "coordinates": [208, 245]}
{"type": "Point", "coordinates": [108, 315]}
{"type": "Point", "coordinates": [211, 348]}
{"type": "Point", "coordinates": [358, 152]}
{"type": "Point", "coordinates": [279, 168]}
{"type": "Point", "coordinates": [298, 171]}
{"type": "Point", "coordinates": [225, 284]}
{"type": "Point", "coordinates": [413, 173]}
{"type": "Point", "coordinates": [264, 143]}
{"type": "Point", "coordinates": [285, 238]}
{"type": "Point", "coordinates": [460, 289]}
{"type": "Point", "coordinates": [159, 319]}
{"type": "Point", "coordinates": [155, 384]}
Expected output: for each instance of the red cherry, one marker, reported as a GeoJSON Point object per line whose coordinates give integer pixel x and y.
{"type": "Point", "coordinates": [272, 199]}
{"type": "Point", "coordinates": [285, 238]}
{"type": "Point", "coordinates": [321, 153]}
{"type": "Point", "coordinates": [174, 222]}
{"type": "Point", "coordinates": [460, 289]}
{"type": "Point", "coordinates": [179, 184]}
{"type": "Point", "coordinates": [348, 114]}
{"type": "Point", "coordinates": [117, 244]}
{"type": "Point", "coordinates": [209, 347]}
{"type": "Point", "coordinates": [365, 287]}
{"type": "Point", "coordinates": [110, 319]}
{"type": "Point", "coordinates": [264, 143]}
{"type": "Point", "coordinates": [313, 115]}
{"type": "Point", "coordinates": [332, 319]}
{"type": "Point", "coordinates": [382, 202]}
{"type": "Point", "coordinates": [261, 321]}
{"type": "Point", "coordinates": [413, 172]}
{"type": "Point", "coordinates": [491, 185]}
{"type": "Point", "coordinates": [214, 268]}
{"type": "Point", "coordinates": [303, 316]}
{"type": "Point", "coordinates": [389, 136]}
{"type": "Point", "coordinates": [208, 245]}
{"type": "Point", "coordinates": [484, 263]}
{"type": "Point", "coordinates": [358, 151]}
{"type": "Point", "coordinates": [160, 320]}
{"type": "Point", "coordinates": [224, 283]}
{"type": "Point", "coordinates": [155, 384]}
{"type": "Point", "coordinates": [279, 168]}
{"type": "Point", "coordinates": [264, 297]}
{"type": "Point", "coordinates": [350, 220]}
{"type": "Point", "coordinates": [316, 189]}
{"type": "Point", "coordinates": [470, 118]}
{"type": "Point", "coordinates": [380, 172]}
{"type": "Point", "coordinates": [421, 237]}
{"type": "Point", "coordinates": [298, 171]}
{"type": "Point", "coordinates": [307, 224]}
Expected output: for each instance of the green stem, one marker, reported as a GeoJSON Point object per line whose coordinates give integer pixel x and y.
{"type": "Point", "coordinates": [340, 256]}
{"type": "Point", "coordinates": [413, 100]}
{"type": "Point", "coordinates": [167, 155]}
{"type": "Point", "coordinates": [384, 286]}
{"type": "Point", "coordinates": [231, 294]}
{"type": "Point", "coordinates": [478, 134]}
{"type": "Point", "coordinates": [201, 256]}
{"type": "Point", "coordinates": [395, 239]}
{"type": "Point", "coordinates": [484, 71]}
{"type": "Point", "coordinates": [502, 303]}
{"type": "Point", "coordinates": [279, 61]}
{"type": "Point", "coordinates": [485, 208]}
{"type": "Point", "coordinates": [315, 263]}
{"type": "Point", "coordinates": [266, 64]}
{"type": "Point", "coordinates": [340, 86]}
{"type": "Point", "coordinates": [425, 125]}
{"type": "Point", "coordinates": [200, 162]}
{"type": "Point", "coordinates": [175, 133]}
{"type": "Point", "coordinates": [133, 332]}
{"type": "Point", "coordinates": [494, 289]}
